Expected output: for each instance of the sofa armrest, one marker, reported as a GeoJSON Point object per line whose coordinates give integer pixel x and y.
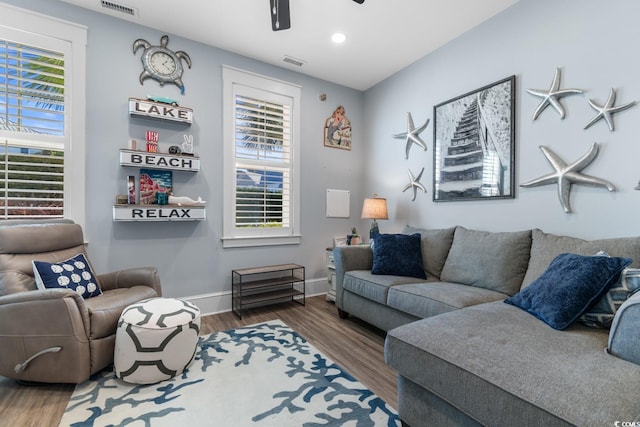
{"type": "Point", "coordinates": [624, 341]}
{"type": "Point", "coordinates": [348, 258]}
{"type": "Point", "coordinates": [44, 309]}
{"type": "Point", "coordinates": [44, 336]}
{"type": "Point", "coordinates": [142, 276]}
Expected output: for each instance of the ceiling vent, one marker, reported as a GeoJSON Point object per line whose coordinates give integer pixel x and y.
{"type": "Point", "coordinates": [293, 61]}
{"type": "Point", "coordinates": [120, 8]}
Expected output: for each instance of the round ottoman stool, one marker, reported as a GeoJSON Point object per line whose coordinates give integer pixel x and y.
{"type": "Point", "coordinates": [156, 340]}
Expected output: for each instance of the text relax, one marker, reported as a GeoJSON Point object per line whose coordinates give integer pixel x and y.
{"type": "Point", "coordinates": [160, 213]}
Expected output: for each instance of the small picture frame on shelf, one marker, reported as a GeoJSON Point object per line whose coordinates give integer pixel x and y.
{"type": "Point", "coordinates": [131, 190]}
{"type": "Point", "coordinates": [340, 241]}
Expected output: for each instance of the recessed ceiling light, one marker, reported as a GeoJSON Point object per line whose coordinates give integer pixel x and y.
{"type": "Point", "coordinates": [338, 38]}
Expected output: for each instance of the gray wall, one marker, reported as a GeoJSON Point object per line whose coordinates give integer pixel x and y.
{"type": "Point", "coordinates": [595, 45]}
{"type": "Point", "coordinates": [190, 256]}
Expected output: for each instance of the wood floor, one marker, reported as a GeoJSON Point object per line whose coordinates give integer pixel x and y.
{"type": "Point", "coordinates": [352, 344]}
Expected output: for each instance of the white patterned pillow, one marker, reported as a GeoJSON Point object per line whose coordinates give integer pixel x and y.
{"type": "Point", "coordinates": [74, 273]}
{"type": "Point", "coordinates": [602, 313]}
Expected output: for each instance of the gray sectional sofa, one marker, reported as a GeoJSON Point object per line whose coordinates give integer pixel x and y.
{"type": "Point", "coordinates": [464, 357]}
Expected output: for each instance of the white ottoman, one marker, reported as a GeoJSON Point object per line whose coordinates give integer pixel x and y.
{"type": "Point", "coordinates": [156, 340]}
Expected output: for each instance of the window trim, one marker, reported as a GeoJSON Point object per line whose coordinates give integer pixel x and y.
{"type": "Point", "coordinates": [233, 237]}
{"type": "Point", "coordinates": [26, 21]}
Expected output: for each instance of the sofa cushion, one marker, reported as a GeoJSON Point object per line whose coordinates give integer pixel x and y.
{"type": "Point", "coordinates": [74, 273]}
{"type": "Point", "coordinates": [602, 313]}
{"type": "Point", "coordinates": [500, 364]}
{"type": "Point", "coordinates": [570, 285]}
{"type": "Point", "coordinates": [372, 286]}
{"type": "Point", "coordinates": [398, 255]}
{"type": "Point", "coordinates": [545, 247]}
{"type": "Point", "coordinates": [430, 299]}
{"type": "Point", "coordinates": [496, 261]}
{"type": "Point", "coordinates": [435, 247]}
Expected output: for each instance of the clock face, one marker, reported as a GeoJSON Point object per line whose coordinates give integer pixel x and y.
{"type": "Point", "coordinates": [162, 63]}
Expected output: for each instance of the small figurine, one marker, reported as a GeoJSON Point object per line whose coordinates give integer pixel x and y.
{"type": "Point", "coordinates": [187, 145]}
{"type": "Point", "coordinates": [185, 201]}
{"type": "Point", "coordinates": [152, 141]}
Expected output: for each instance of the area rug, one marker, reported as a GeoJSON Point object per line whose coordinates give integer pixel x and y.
{"type": "Point", "coordinates": [258, 375]}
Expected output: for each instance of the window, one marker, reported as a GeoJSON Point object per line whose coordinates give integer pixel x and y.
{"type": "Point", "coordinates": [261, 173]}
{"type": "Point", "coordinates": [41, 148]}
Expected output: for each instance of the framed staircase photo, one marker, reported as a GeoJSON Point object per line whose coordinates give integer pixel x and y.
{"type": "Point", "coordinates": [474, 144]}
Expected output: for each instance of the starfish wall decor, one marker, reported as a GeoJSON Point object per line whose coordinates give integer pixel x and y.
{"type": "Point", "coordinates": [414, 183]}
{"type": "Point", "coordinates": [412, 135]}
{"type": "Point", "coordinates": [607, 110]}
{"type": "Point", "coordinates": [565, 175]}
{"type": "Point", "coordinates": [552, 96]}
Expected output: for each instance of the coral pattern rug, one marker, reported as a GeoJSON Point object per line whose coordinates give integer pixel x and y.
{"type": "Point", "coordinates": [258, 375]}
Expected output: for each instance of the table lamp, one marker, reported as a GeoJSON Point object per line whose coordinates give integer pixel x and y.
{"type": "Point", "coordinates": [374, 208]}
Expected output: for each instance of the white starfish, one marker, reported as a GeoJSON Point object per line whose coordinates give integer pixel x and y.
{"type": "Point", "coordinates": [412, 135]}
{"type": "Point", "coordinates": [552, 96]}
{"type": "Point", "coordinates": [414, 182]}
{"type": "Point", "coordinates": [565, 175]}
{"type": "Point", "coordinates": [607, 110]}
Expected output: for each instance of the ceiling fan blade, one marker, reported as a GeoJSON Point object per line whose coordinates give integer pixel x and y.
{"type": "Point", "coordinates": [280, 17]}
{"type": "Point", "coordinates": [359, 1]}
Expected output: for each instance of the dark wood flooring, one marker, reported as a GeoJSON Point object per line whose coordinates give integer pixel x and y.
{"type": "Point", "coordinates": [354, 345]}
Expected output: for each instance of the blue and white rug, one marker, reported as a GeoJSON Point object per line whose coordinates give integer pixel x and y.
{"type": "Point", "coordinates": [259, 375]}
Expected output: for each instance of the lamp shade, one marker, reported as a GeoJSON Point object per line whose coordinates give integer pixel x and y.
{"type": "Point", "coordinates": [375, 208]}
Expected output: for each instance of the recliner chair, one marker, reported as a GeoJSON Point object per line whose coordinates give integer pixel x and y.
{"type": "Point", "coordinates": [54, 335]}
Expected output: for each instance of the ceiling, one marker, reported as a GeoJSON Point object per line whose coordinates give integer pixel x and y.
{"type": "Point", "coordinates": [382, 36]}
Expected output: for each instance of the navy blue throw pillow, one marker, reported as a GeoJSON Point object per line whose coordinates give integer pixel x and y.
{"type": "Point", "coordinates": [398, 255]}
{"type": "Point", "coordinates": [569, 286]}
{"type": "Point", "coordinates": [74, 273]}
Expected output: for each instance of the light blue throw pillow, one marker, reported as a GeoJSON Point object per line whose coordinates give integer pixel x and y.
{"type": "Point", "coordinates": [602, 313]}
{"type": "Point", "coordinates": [569, 286]}
{"type": "Point", "coordinates": [74, 274]}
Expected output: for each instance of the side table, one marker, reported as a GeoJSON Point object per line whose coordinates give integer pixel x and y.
{"type": "Point", "coordinates": [331, 275]}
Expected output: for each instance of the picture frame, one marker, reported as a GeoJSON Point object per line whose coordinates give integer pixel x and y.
{"type": "Point", "coordinates": [474, 144]}
{"type": "Point", "coordinates": [337, 130]}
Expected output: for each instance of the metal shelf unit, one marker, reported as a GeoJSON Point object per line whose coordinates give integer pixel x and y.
{"type": "Point", "coordinates": [257, 286]}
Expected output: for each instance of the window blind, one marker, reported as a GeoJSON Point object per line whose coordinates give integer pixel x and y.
{"type": "Point", "coordinates": [263, 162]}
{"type": "Point", "coordinates": [32, 107]}
{"type": "Point", "coordinates": [32, 184]}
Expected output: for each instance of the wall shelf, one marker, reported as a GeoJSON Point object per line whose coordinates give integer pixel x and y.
{"type": "Point", "coordinates": [143, 159]}
{"type": "Point", "coordinates": [146, 108]}
{"type": "Point", "coordinates": [158, 213]}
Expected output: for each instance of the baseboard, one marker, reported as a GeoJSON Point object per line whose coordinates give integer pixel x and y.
{"type": "Point", "coordinates": [220, 302]}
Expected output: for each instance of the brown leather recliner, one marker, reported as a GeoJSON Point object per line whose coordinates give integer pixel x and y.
{"type": "Point", "coordinates": [54, 335]}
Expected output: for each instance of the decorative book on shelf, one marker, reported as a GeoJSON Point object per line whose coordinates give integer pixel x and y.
{"type": "Point", "coordinates": [154, 182]}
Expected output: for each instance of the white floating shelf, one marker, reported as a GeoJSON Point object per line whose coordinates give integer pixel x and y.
{"type": "Point", "coordinates": [143, 159]}
{"type": "Point", "coordinates": [158, 110]}
{"type": "Point", "coordinates": [159, 213]}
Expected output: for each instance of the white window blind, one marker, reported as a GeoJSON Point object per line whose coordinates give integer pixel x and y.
{"type": "Point", "coordinates": [42, 116]}
{"type": "Point", "coordinates": [32, 106]}
{"type": "Point", "coordinates": [262, 152]}
{"type": "Point", "coordinates": [32, 182]}
{"type": "Point", "coordinates": [31, 89]}
{"type": "Point", "coordinates": [261, 160]}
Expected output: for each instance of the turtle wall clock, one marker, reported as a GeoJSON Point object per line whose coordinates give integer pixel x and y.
{"type": "Point", "coordinates": [161, 63]}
